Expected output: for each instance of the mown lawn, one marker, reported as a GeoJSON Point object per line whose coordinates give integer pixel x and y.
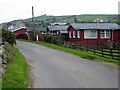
{"type": "Point", "coordinates": [83, 53]}
{"type": "Point", "coordinates": [16, 75]}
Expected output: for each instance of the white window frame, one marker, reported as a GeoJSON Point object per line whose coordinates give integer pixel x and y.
{"type": "Point", "coordinates": [105, 33]}
{"type": "Point", "coordinates": [70, 34]}
{"type": "Point", "coordinates": [74, 34]}
{"type": "Point", "coordinates": [86, 37]}
{"type": "Point", "coordinates": [78, 34]}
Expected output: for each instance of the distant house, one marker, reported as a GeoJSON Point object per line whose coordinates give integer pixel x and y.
{"type": "Point", "coordinates": [100, 20]}
{"type": "Point", "coordinates": [93, 32]}
{"type": "Point", "coordinates": [23, 29]}
{"type": "Point", "coordinates": [57, 23]}
{"type": "Point", "coordinates": [19, 29]}
{"type": "Point", "coordinates": [37, 28]}
{"type": "Point", "coordinates": [58, 30]}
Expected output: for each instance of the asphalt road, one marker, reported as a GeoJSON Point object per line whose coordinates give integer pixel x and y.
{"type": "Point", "coordinates": [57, 69]}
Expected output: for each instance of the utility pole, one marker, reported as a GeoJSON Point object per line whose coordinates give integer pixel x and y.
{"type": "Point", "coordinates": [33, 21]}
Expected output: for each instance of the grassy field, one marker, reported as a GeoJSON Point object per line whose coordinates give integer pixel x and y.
{"type": "Point", "coordinates": [70, 18]}
{"type": "Point", "coordinates": [83, 54]}
{"type": "Point", "coordinates": [16, 75]}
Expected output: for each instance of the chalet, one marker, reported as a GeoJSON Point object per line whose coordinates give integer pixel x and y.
{"type": "Point", "coordinates": [38, 28]}
{"type": "Point", "coordinates": [23, 29]}
{"type": "Point", "coordinates": [19, 29]}
{"type": "Point", "coordinates": [40, 31]}
{"type": "Point", "coordinates": [58, 30]}
{"type": "Point", "coordinates": [93, 32]}
{"type": "Point", "coordinates": [57, 23]}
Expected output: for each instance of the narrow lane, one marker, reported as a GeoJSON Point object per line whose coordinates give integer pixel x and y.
{"type": "Point", "coordinates": [52, 68]}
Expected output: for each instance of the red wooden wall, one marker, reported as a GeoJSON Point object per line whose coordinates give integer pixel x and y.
{"type": "Point", "coordinates": [115, 35]}
{"type": "Point", "coordinates": [21, 34]}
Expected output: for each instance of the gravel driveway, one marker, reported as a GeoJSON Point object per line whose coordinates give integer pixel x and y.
{"type": "Point", "coordinates": [52, 68]}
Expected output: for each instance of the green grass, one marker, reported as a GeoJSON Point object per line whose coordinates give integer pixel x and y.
{"type": "Point", "coordinates": [16, 75]}
{"type": "Point", "coordinates": [83, 53]}
{"type": "Point", "coordinates": [0, 84]}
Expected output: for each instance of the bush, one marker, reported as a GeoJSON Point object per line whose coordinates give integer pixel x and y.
{"type": "Point", "coordinates": [47, 39]}
{"type": "Point", "coordinates": [8, 37]}
{"type": "Point", "coordinates": [53, 39]}
{"type": "Point", "coordinates": [9, 52]}
{"type": "Point", "coordinates": [56, 40]}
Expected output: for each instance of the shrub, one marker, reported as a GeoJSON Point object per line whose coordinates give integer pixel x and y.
{"type": "Point", "coordinates": [9, 52]}
{"type": "Point", "coordinates": [56, 40]}
{"type": "Point", "coordinates": [53, 39]}
{"type": "Point", "coordinates": [8, 36]}
{"type": "Point", "coordinates": [47, 39]}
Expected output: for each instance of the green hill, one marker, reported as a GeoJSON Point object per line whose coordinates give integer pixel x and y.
{"type": "Point", "coordinates": [46, 19]}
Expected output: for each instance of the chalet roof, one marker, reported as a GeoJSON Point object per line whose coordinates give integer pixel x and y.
{"type": "Point", "coordinates": [78, 26]}
{"type": "Point", "coordinates": [16, 25]}
{"type": "Point", "coordinates": [37, 28]}
{"type": "Point", "coordinates": [3, 26]}
{"type": "Point", "coordinates": [54, 28]}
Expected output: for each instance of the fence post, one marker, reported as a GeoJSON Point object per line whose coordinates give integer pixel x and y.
{"type": "Point", "coordinates": [94, 49]}
{"type": "Point", "coordinates": [111, 53]}
{"type": "Point", "coordinates": [86, 46]}
{"type": "Point", "coordinates": [102, 52]}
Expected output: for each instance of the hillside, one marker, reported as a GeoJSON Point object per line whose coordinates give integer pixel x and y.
{"type": "Point", "coordinates": [46, 19]}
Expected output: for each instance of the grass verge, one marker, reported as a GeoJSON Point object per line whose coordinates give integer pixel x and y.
{"type": "Point", "coordinates": [83, 53]}
{"type": "Point", "coordinates": [16, 75]}
{"type": "Point", "coordinates": [0, 84]}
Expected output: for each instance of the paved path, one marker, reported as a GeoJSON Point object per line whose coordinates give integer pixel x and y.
{"type": "Point", "coordinates": [57, 69]}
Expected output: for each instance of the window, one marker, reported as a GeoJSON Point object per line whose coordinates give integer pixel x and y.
{"type": "Point", "coordinates": [69, 34]}
{"type": "Point", "coordinates": [90, 33]}
{"type": "Point", "coordinates": [78, 34]}
{"type": "Point", "coordinates": [102, 34]}
{"type": "Point", "coordinates": [105, 34]}
{"type": "Point", "coordinates": [74, 34]}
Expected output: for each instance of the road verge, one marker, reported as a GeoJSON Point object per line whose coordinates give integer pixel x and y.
{"type": "Point", "coordinates": [16, 75]}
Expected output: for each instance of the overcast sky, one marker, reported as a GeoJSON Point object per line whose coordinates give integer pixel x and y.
{"type": "Point", "coordinates": [20, 9]}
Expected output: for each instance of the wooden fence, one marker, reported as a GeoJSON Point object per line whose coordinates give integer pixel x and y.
{"type": "Point", "coordinates": [113, 53]}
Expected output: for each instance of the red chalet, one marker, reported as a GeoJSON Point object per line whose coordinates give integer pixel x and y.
{"type": "Point", "coordinates": [93, 32]}
{"type": "Point", "coordinates": [19, 29]}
